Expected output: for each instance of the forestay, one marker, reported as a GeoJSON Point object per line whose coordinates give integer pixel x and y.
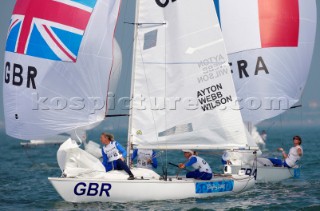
{"type": "Point", "coordinates": [270, 45]}
{"type": "Point", "coordinates": [174, 106]}
{"type": "Point", "coordinates": [57, 65]}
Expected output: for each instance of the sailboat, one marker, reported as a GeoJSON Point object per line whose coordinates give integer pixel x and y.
{"type": "Point", "coordinates": [270, 64]}
{"type": "Point", "coordinates": [57, 74]}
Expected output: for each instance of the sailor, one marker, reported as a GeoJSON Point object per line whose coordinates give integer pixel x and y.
{"type": "Point", "coordinates": [295, 153]}
{"type": "Point", "coordinates": [113, 155]}
{"type": "Point", "coordinates": [146, 158]}
{"type": "Point", "coordinates": [202, 168]}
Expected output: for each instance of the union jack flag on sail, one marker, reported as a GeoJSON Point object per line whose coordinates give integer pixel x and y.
{"type": "Point", "coordinates": [49, 29]}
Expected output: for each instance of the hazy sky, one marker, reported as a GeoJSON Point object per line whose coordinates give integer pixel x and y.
{"type": "Point", "coordinates": [309, 114]}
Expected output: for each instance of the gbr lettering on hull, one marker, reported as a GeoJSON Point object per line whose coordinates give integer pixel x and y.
{"type": "Point", "coordinates": [92, 189]}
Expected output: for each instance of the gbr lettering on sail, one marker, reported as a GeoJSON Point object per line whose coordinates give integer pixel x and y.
{"type": "Point", "coordinates": [13, 74]}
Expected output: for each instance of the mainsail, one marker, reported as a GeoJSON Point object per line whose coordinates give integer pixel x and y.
{"type": "Point", "coordinates": [270, 46]}
{"type": "Point", "coordinates": [58, 62]}
{"type": "Point", "coordinates": [175, 106]}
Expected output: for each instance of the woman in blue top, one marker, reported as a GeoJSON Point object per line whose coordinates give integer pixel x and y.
{"type": "Point", "coordinates": [202, 168]}
{"type": "Point", "coordinates": [113, 155]}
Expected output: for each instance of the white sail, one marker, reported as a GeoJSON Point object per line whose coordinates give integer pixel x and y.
{"type": "Point", "coordinates": [175, 42]}
{"type": "Point", "coordinates": [270, 45]}
{"type": "Point", "coordinates": [57, 65]}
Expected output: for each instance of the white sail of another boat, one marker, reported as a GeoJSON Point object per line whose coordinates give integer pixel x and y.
{"type": "Point", "coordinates": [270, 46]}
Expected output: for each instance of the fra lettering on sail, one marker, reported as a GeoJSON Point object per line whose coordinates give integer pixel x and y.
{"type": "Point", "coordinates": [243, 65]}
{"type": "Point", "coordinates": [14, 75]}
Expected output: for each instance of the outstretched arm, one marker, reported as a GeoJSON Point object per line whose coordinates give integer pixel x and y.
{"type": "Point", "coordinates": [284, 154]}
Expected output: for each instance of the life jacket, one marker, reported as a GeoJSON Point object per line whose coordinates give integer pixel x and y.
{"type": "Point", "coordinates": [201, 165]}
{"type": "Point", "coordinates": [112, 151]}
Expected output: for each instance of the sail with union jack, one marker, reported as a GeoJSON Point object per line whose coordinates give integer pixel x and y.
{"type": "Point", "coordinates": [54, 33]}
{"type": "Point", "coordinates": [57, 65]}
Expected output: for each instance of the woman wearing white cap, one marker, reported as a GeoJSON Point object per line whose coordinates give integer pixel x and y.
{"type": "Point", "coordinates": [203, 170]}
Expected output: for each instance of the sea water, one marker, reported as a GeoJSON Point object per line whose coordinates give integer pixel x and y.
{"type": "Point", "coordinates": [24, 184]}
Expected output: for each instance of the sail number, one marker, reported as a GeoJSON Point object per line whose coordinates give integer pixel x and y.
{"type": "Point", "coordinates": [92, 189]}
{"type": "Point", "coordinates": [250, 172]}
{"type": "Point", "coordinates": [163, 3]}
{"type": "Point", "coordinates": [14, 74]}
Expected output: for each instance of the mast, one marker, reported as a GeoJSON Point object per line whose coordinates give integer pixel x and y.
{"type": "Point", "coordinates": [132, 81]}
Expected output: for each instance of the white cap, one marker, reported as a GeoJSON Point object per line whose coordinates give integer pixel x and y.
{"type": "Point", "coordinates": [187, 150]}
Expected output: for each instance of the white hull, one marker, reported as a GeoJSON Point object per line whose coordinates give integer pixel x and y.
{"type": "Point", "coordinates": [266, 174]}
{"type": "Point", "coordinates": [85, 180]}
{"type": "Point", "coordinates": [102, 190]}
{"type": "Point", "coordinates": [262, 168]}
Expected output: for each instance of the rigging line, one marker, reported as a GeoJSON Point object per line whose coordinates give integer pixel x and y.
{"type": "Point", "coordinates": [249, 179]}
{"type": "Point", "coordinates": [132, 81]}
{"type": "Point", "coordinates": [165, 92]}
{"type": "Point", "coordinates": [272, 124]}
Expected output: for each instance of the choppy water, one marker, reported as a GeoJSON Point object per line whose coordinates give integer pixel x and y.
{"type": "Point", "coordinates": [24, 184]}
